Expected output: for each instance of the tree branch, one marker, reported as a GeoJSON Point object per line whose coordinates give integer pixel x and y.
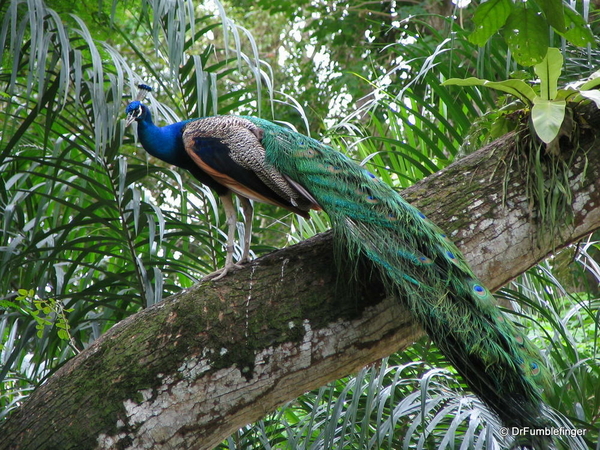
{"type": "Point", "coordinates": [191, 370]}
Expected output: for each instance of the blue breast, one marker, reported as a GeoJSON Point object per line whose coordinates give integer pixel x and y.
{"type": "Point", "coordinates": [165, 142]}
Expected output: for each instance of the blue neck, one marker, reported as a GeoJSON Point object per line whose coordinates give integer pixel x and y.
{"type": "Point", "coordinates": [165, 142]}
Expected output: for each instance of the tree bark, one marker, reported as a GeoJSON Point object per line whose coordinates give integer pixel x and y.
{"type": "Point", "coordinates": [191, 370]}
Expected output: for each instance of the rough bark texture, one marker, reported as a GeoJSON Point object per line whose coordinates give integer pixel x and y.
{"type": "Point", "coordinates": [191, 370]}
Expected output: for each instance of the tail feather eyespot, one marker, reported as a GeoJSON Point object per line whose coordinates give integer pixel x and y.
{"type": "Point", "coordinates": [425, 260]}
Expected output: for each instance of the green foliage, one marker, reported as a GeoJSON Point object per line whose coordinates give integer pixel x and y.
{"type": "Point", "coordinates": [488, 18]}
{"type": "Point", "coordinates": [548, 109]}
{"type": "Point", "coordinates": [516, 87]}
{"type": "Point", "coordinates": [526, 26]}
{"type": "Point", "coordinates": [45, 312]}
{"type": "Point", "coordinates": [547, 103]}
{"type": "Point", "coordinates": [526, 34]}
{"type": "Point", "coordinates": [317, 49]}
{"type": "Point", "coordinates": [409, 130]}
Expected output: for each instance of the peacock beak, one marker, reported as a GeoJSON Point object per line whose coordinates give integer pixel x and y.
{"type": "Point", "coordinates": [130, 119]}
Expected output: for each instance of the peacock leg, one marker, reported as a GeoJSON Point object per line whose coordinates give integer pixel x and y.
{"type": "Point", "coordinates": [231, 220]}
{"type": "Point", "coordinates": [248, 211]}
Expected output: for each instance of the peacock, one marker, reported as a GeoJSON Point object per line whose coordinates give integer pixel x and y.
{"type": "Point", "coordinates": [262, 161]}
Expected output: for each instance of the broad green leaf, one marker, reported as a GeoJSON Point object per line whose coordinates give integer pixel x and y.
{"type": "Point", "coordinates": [548, 72]}
{"type": "Point", "coordinates": [577, 32]}
{"type": "Point", "coordinates": [517, 88]}
{"type": "Point", "coordinates": [526, 33]}
{"type": "Point", "coordinates": [547, 117]}
{"type": "Point", "coordinates": [489, 17]}
{"type": "Point", "coordinates": [554, 12]}
{"type": "Point", "coordinates": [593, 95]}
{"type": "Point", "coordinates": [567, 93]}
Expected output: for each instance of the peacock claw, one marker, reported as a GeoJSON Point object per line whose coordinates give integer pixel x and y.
{"type": "Point", "coordinates": [218, 274]}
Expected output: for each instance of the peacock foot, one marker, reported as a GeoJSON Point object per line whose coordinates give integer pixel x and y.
{"type": "Point", "coordinates": [218, 274]}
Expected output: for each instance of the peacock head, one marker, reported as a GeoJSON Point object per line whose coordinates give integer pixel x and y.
{"type": "Point", "coordinates": [136, 110]}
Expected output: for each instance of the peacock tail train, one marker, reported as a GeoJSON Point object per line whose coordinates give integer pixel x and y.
{"type": "Point", "coordinates": [421, 266]}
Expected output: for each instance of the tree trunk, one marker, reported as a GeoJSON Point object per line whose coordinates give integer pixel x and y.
{"type": "Point", "coordinates": [191, 370]}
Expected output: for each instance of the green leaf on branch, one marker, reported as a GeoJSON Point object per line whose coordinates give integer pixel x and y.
{"type": "Point", "coordinates": [526, 33]}
{"type": "Point", "coordinates": [489, 17]}
{"type": "Point", "coordinates": [517, 88]}
{"type": "Point", "coordinates": [548, 71]}
{"type": "Point", "coordinates": [554, 12]}
{"type": "Point", "coordinates": [547, 117]}
{"type": "Point", "coordinates": [577, 31]}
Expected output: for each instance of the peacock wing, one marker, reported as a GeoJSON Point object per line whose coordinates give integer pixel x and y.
{"type": "Point", "coordinates": [228, 148]}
